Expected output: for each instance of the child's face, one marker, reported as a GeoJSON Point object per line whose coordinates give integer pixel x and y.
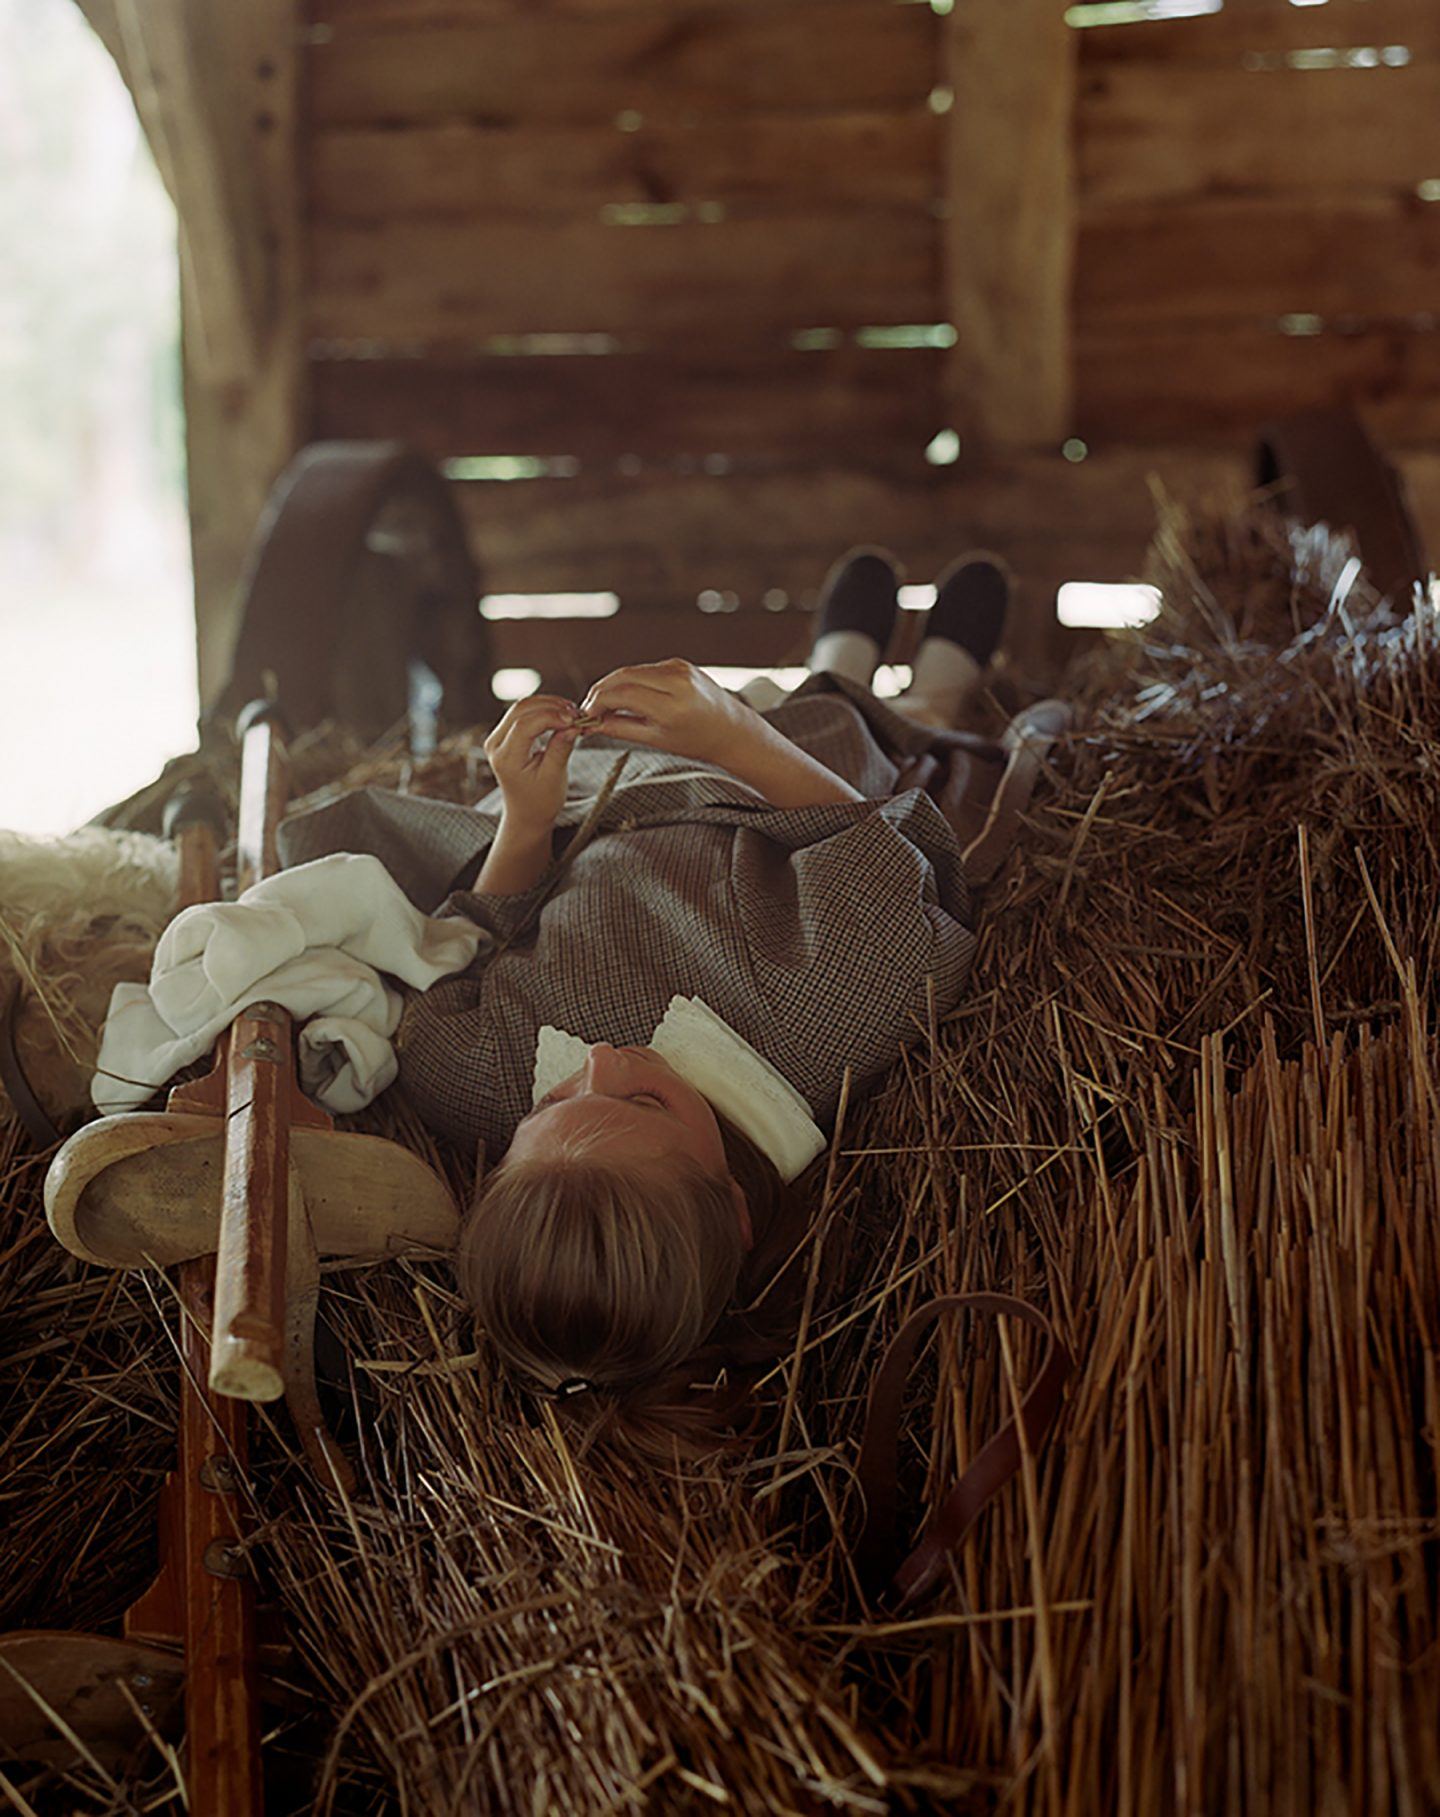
{"type": "Point", "coordinates": [638, 1109]}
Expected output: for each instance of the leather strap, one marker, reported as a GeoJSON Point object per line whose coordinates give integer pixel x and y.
{"type": "Point", "coordinates": [27, 1107]}
{"type": "Point", "coordinates": [992, 1467]}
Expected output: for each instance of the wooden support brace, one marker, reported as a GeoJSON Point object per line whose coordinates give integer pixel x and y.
{"type": "Point", "coordinates": [176, 61]}
{"type": "Point", "coordinates": [1009, 240]}
{"type": "Point", "coordinates": [216, 87]}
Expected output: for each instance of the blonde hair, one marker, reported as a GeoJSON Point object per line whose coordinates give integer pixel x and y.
{"type": "Point", "coordinates": [614, 1272]}
{"type": "Point", "coordinates": [627, 1275]}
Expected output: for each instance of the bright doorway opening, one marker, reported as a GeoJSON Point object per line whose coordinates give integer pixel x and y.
{"type": "Point", "coordinates": [97, 636]}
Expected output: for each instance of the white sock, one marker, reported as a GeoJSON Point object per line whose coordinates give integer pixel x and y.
{"type": "Point", "coordinates": [848, 653]}
{"type": "Point", "coordinates": [944, 678]}
{"type": "Point", "coordinates": [762, 693]}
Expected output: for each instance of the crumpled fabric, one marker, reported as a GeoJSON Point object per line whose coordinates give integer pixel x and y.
{"type": "Point", "coordinates": [316, 940]}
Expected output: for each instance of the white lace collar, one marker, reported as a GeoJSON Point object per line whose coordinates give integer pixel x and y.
{"type": "Point", "coordinates": [741, 1083]}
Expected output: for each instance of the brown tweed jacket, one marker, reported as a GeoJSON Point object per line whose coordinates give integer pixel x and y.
{"type": "Point", "coordinates": [812, 931]}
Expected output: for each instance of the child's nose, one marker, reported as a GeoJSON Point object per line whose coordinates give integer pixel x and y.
{"type": "Point", "coordinates": [601, 1063]}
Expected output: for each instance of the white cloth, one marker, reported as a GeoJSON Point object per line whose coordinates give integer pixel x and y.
{"type": "Point", "coordinates": [703, 1048]}
{"type": "Point", "coordinates": [315, 940]}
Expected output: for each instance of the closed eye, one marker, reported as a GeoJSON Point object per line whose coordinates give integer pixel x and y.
{"type": "Point", "coordinates": [631, 1097]}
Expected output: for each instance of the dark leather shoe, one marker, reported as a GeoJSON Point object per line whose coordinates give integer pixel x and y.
{"type": "Point", "coordinates": [971, 599]}
{"type": "Point", "coordinates": [861, 594]}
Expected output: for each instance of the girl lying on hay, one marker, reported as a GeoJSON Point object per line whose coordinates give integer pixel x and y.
{"type": "Point", "coordinates": [678, 935]}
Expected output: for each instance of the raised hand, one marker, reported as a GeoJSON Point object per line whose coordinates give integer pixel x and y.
{"type": "Point", "coordinates": [673, 706]}
{"type": "Point", "coordinates": [530, 769]}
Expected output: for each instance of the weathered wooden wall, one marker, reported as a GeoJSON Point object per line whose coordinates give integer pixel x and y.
{"type": "Point", "coordinates": [656, 244]}
{"type": "Point", "coordinates": [700, 258]}
{"type": "Point", "coordinates": [1253, 228]}
{"type": "Point", "coordinates": [715, 273]}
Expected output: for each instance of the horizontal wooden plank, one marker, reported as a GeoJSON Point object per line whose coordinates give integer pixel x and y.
{"type": "Point", "coordinates": [569, 654]}
{"type": "Point", "coordinates": [1261, 259]}
{"type": "Point", "coordinates": [1167, 134]}
{"type": "Point", "coordinates": [573, 652]}
{"type": "Point", "coordinates": [1112, 490]}
{"type": "Point", "coordinates": [850, 160]}
{"type": "Point", "coordinates": [747, 636]}
{"type": "Point", "coordinates": [810, 405]}
{"type": "Point", "coordinates": [453, 12]}
{"type": "Point", "coordinates": [671, 537]}
{"type": "Point", "coordinates": [420, 282]}
{"type": "Point", "coordinates": [1249, 27]}
{"type": "Point", "coordinates": [678, 573]}
{"type": "Point", "coordinates": [1167, 385]}
{"type": "Point", "coordinates": [660, 61]}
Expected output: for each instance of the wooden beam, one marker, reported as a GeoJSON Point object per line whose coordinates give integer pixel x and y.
{"type": "Point", "coordinates": [238, 439]}
{"type": "Point", "coordinates": [1053, 521]}
{"type": "Point", "coordinates": [880, 159]}
{"type": "Point", "coordinates": [421, 282]}
{"type": "Point", "coordinates": [1008, 240]}
{"type": "Point", "coordinates": [1257, 259]}
{"type": "Point", "coordinates": [679, 574]}
{"type": "Point", "coordinates": [650, 59]}
{"type": "Point", "coordinates": [102, 18]}
{"type": "Point", "coordinates": [572, 652]}
{"type": "Point", "coordinates": [478, 12]}
{"type": "Point", "coordinates": [1265, 28]}
{"type": "Point", "coordinates": [216, 90]}
{"type": "Point", "coordinates": [569, 654]}
{"type": "Point", "coordinates": [185, 91]}
{"type": "Point", "coordinates": [849, 403]}
{"type": "Point", "coordinates": [559, 535]}
{"type": "Point", "coordinates": [661, 542]}
{"type": "Point", "coordinates": [1217, 382]}
{"type": "Point", "coordinates": [1166, 133]}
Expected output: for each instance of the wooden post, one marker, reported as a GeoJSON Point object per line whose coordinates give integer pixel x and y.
{"type": "Point", "coordinates": [204, 1596]}
{"type": "Point", "coordinates": [222, 1701]}
{"type": "Point", "coordinates": [215, 86]}
{"type": "Point", "coordinates": [1010, 186]}
{"type": "Point", "coordinates": [239, 437]}
{"type": "Point", "coordinates": [248, 1355]}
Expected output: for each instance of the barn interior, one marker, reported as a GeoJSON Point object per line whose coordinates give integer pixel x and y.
{"type": "Point", "coordinates": [539, 337]}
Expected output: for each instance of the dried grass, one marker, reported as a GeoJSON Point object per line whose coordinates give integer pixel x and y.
{"type": "Point", "coordinates": [77, 915]}
{"type": "Point", "coordinates": [1189, 1104]}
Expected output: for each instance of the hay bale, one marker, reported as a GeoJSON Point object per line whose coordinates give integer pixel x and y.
{"type": "Point", "coordinates": [1190, 1104]}
{"type": "Point", "coordinates": [77, 916]}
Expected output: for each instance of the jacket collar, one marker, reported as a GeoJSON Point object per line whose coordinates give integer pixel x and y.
{"type": "Point", "coordinates": [739, 1082]}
